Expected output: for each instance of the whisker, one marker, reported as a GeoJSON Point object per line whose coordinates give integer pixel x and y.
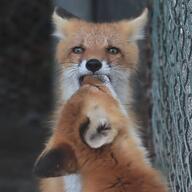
{"type": "Point", "coordinates": [70, 72]}
{"type": "Point", "coordinates": [70, 76]}
{"type": "Point", "coordinates": [119, 67]}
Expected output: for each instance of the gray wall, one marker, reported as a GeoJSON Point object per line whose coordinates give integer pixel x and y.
{"type": "Point", "coordinates": [109, 10]}
{"type": "Point", "coordinates": [80, 8]}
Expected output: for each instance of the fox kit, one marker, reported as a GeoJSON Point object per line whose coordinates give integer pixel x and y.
{"type": "Point", "coordinates": [108, 49]}
{"type": "Point", "coordinates": [94, 137]}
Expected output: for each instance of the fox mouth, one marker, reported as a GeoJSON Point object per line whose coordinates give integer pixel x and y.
{"type": "Point", "coordinates": [81, 78]}
{"type": "Point", "coordinates": [102, 78]}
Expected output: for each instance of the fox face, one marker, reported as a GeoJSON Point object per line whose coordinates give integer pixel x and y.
{"type": "Point", "coordinates": [109, 49]}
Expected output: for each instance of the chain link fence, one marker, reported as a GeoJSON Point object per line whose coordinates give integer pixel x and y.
{"type": "Point", "coordinates": [172, 91]}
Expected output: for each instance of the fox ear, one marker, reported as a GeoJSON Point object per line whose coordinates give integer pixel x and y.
{"type": "Point", "coordinates": [136, 27]}
{"type": "Point", "coordinates": [56, 162]}
{"type": "Point", "coordinates": [60, 19]}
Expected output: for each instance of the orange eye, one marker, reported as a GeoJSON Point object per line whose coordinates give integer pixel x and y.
{"type": "Point", "coordinates": [113, 50]}
{"type": "Point", "coordinates": [78, 50]}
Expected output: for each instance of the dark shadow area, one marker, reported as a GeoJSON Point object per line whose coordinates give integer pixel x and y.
{"type": "Point", "coordinates": [26, 64]}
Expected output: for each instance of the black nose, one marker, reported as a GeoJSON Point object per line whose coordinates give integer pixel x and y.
{"type": "Point", "coordinates": [93, 65]}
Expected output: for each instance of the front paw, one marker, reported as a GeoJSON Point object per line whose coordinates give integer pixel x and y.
{"type": "Point", "coordinates": [101, 135]}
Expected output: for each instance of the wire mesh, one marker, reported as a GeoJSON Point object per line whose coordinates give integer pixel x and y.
{"type": "Point", "coordinates": [172, 91]}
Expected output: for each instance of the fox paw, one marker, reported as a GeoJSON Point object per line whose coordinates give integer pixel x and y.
{"type": "Point", "coordinates": [98, 136]}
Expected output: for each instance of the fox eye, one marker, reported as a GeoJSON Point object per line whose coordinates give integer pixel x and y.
{"type": "Point", "coordinates": [113, 50]}
{"type": "Point", "coordinates": [78, 50]}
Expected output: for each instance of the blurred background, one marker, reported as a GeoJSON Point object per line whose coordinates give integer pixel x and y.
{"type": "Point", "coordinates": [27, 74]}
{"type": "Point", "coordinates": [163, 83]}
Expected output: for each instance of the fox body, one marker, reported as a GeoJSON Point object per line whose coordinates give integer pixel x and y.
{"type": "Point", "coordinates": [94, 137]}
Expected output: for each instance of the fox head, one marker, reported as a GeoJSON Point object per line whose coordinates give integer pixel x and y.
{"type": "Point", "coordinates": [86, 48]}
{"type": "Point", "coordinates": [91, 119]}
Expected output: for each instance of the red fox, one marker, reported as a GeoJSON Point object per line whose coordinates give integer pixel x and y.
{"type": "Point", "coordinates": [108, 49]}
{"type": "Point", "coordinates": [94, 137]}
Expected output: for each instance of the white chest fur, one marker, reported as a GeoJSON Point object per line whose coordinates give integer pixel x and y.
{"type": "Point", "coordinates": [72, 183]}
